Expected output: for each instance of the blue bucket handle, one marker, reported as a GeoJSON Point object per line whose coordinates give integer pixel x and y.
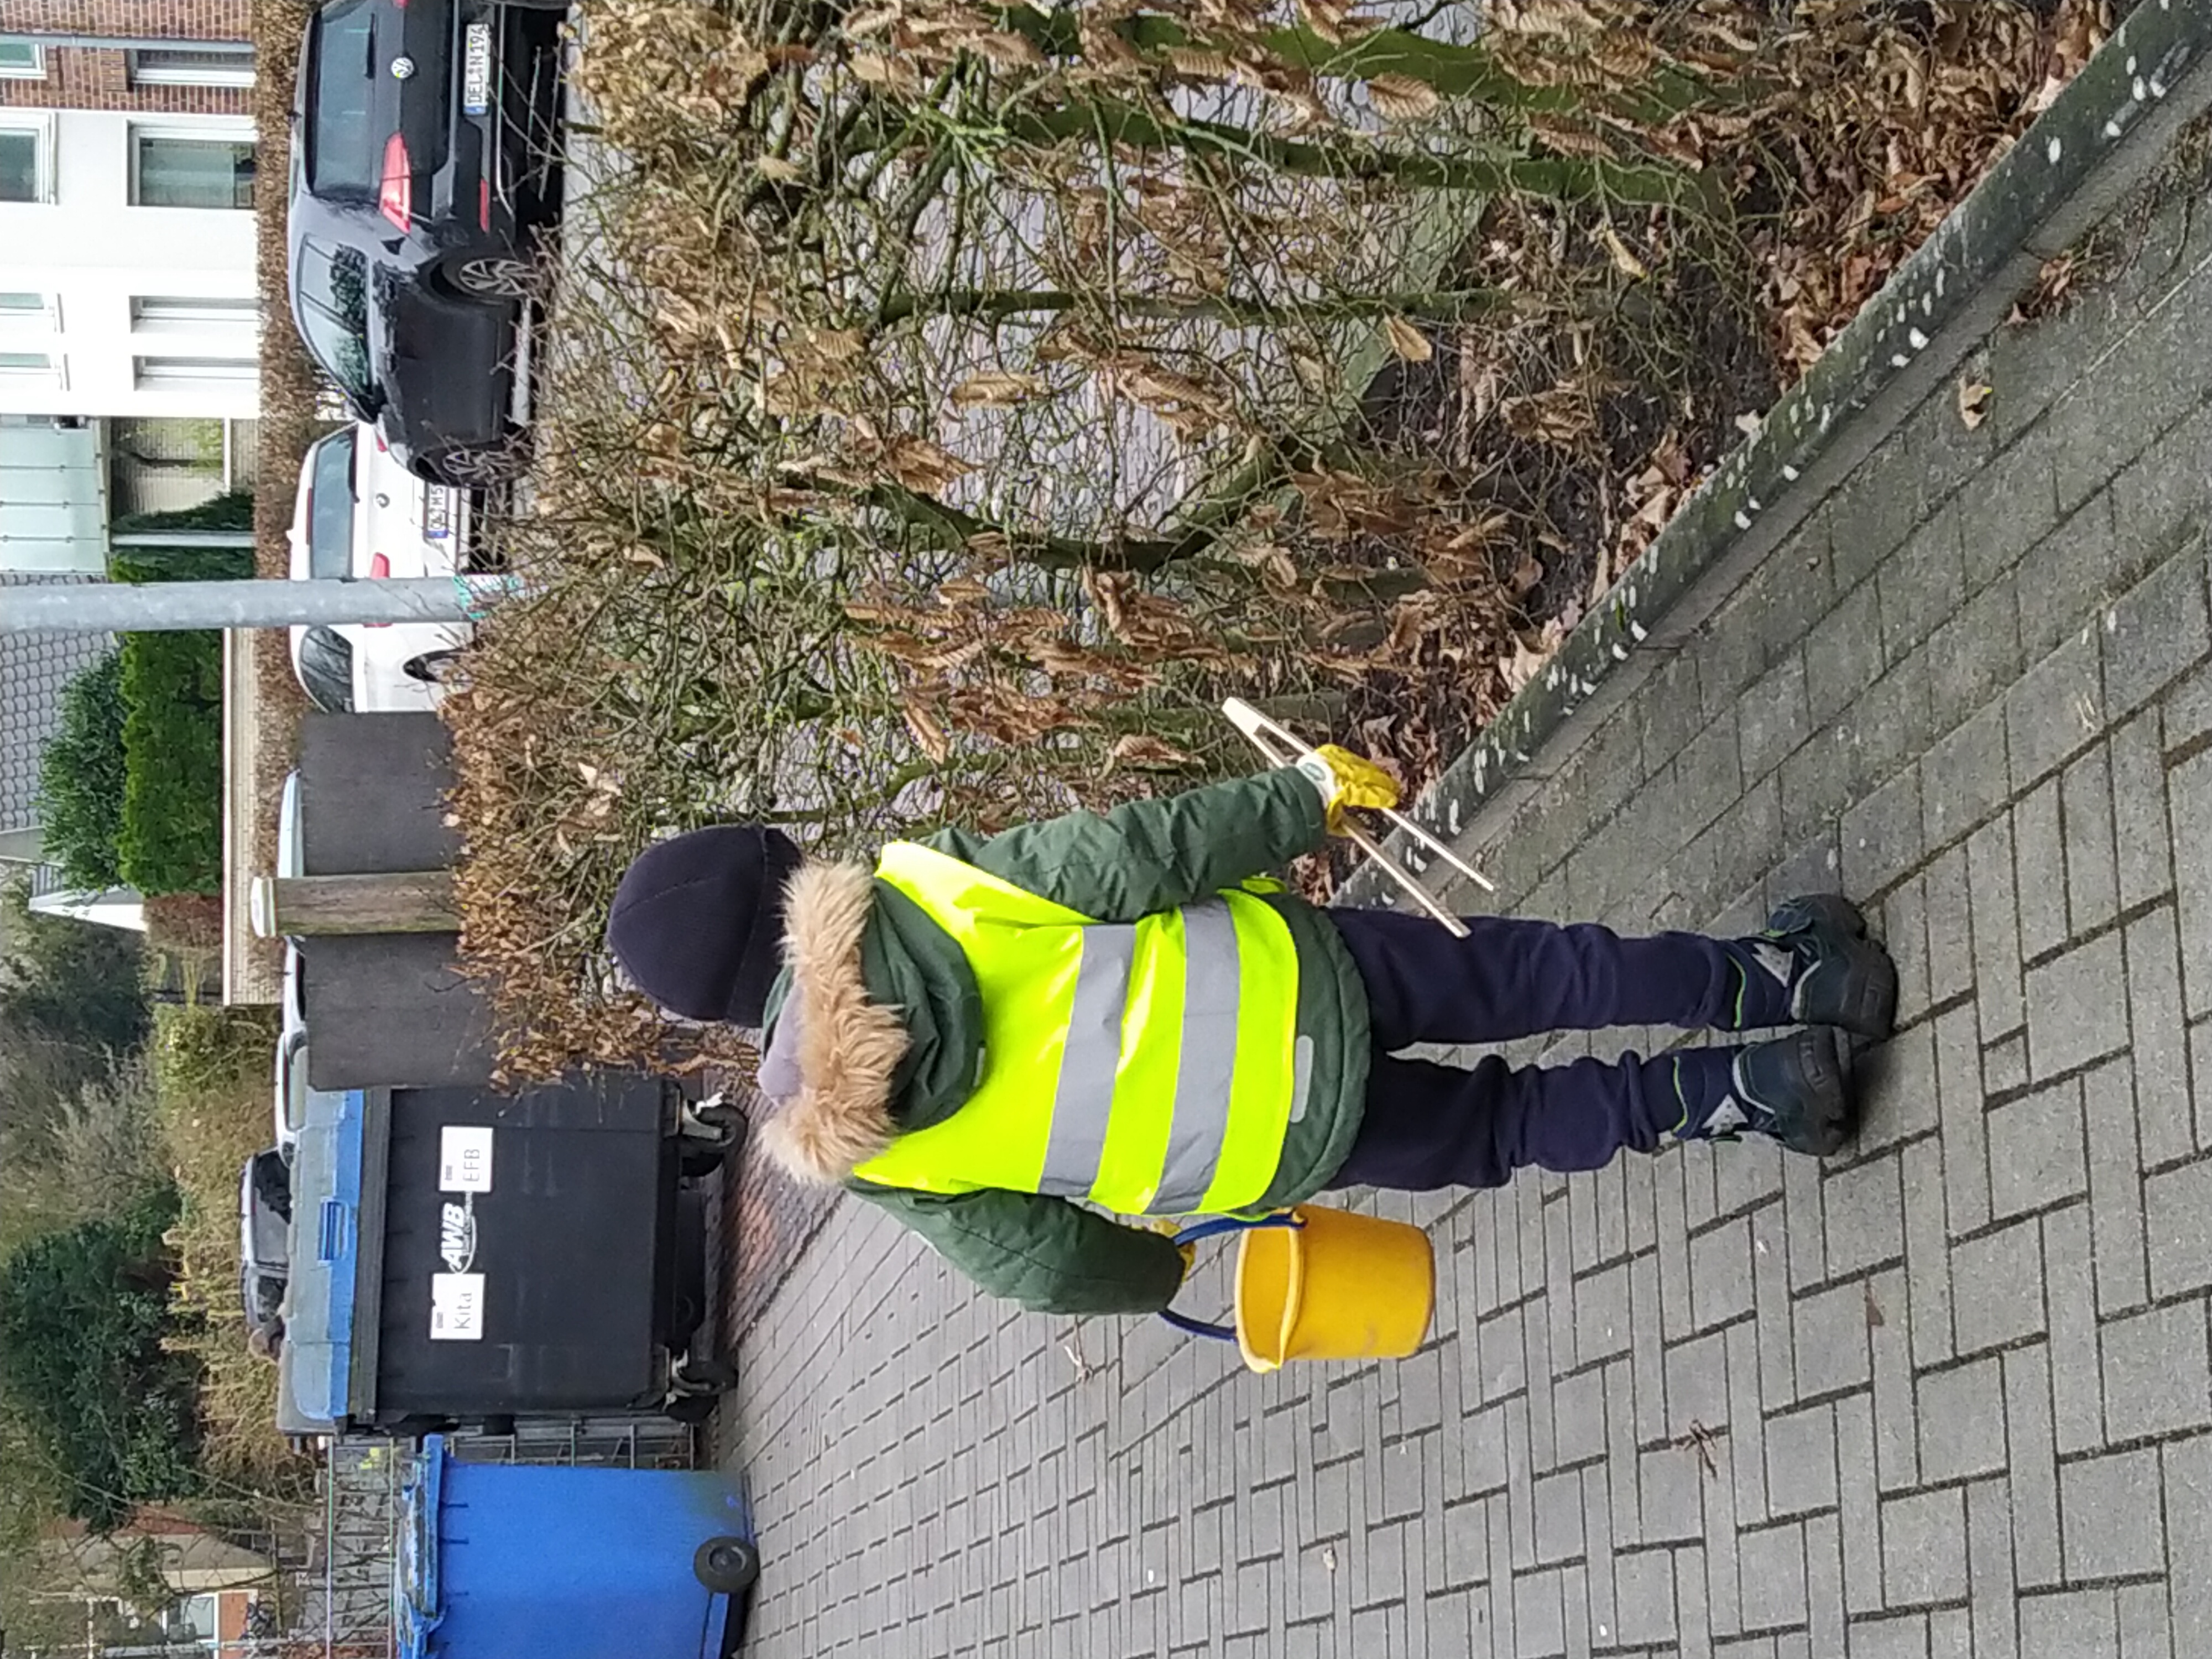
{"type": "Point", "coordinates": [1214, 1229]}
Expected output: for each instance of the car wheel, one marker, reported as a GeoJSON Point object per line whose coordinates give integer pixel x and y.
{"type": "Point", "coordinates": [470, 467]}
{"type": "Point", "coordinates": [727, 1567]}
{"type": "Point", "coordinates": [491, 276]}
{"type": "Point", "coordinates": [433, 667]}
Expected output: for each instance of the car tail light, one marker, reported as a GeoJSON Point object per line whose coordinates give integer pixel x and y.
{"type": "Point", "coordinates": [379, 567]}
{"type": "Point", "coordinates": [396, 199]}
{"type": "Point", "coordinates": [483, 203]}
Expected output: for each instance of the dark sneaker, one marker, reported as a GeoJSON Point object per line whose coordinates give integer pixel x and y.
{"type": "Point", "coordinates": [1795, 1089]}
{"type": "Point", "coordinates": [1816, 966]}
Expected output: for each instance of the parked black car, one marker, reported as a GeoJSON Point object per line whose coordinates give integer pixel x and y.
{"type": "Point", "coordinates": [265, 1248]}
{"type": "Point", "coordinates": [424, 168]}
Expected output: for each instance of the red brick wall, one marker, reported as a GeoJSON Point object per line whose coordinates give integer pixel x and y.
{"type": "Point", "coordinates": [77, 78]}
{"type": "Point", "coordinates": [163, 20]}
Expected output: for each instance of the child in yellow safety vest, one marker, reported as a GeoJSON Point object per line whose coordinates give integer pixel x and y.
{"type": "Point", "coordinates": [1010, 1041]}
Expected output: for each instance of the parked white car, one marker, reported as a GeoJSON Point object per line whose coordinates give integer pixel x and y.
{"type": "Point", "coordinates": [363, 516]}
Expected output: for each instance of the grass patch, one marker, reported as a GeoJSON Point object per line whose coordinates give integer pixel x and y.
{"type": "Point", "coordinates": [210, 1070]}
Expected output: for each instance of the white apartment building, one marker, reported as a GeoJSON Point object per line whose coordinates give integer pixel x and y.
{"type": "Point", "coordinates": [127, 263]}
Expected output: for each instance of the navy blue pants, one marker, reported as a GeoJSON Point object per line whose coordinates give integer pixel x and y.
{"type": "Point", "coordinates": [1429, 1126]}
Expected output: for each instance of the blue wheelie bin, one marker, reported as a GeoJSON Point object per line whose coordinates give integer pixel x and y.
{"type": "Point", "coordinates": [501, 1561]}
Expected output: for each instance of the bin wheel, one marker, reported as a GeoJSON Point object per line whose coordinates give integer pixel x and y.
{"type": "Point", "coordinates": [711, 1124]}
{"type": "Point", "coordinates": [700, 1160]}
{"type": "Point", "coordinates": [726, 1566]}
{"type": "Point", "coordinates": [708, 1376]}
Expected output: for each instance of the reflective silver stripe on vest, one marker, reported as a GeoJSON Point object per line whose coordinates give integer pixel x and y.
{"type": "Point", "coordinates": [1085, 1097]}
{"type": "Point", "coordinates": [1208, 1063]}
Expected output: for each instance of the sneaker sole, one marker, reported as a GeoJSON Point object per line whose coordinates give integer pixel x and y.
{"type": "Point", "coordinates": [1819, 1060]}
{"type": "Point", "coordinates": [1869, 1005]}
{"type": "Point", "coordinates": [1827, 1128]}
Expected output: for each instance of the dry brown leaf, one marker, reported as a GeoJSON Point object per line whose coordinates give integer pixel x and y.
{"type": "Point", "coordinates": [928, 733]}
{"type": "Point", "coordinates": [1402, 98]}
{"type": "Point", "coordinates": [995, 391]}
{"type": "Point", "coordinates": [1200, 63]}
{"type": "Point", "coordinates": [1407, 341]}
{"type": "Point", "coordinates": [1974, 401]}
{"type": "Point", "coordinates": [1626, 262]}
{"type": "Point", "coordinates": [921, 465]}
{"type": "Point", "coordinates": [838, 345]}
{"type": "Point", "coordinates": [878, 69]}
{"type": "Point", "coordinates": [1138, 750]}
{"type": "Point", "coordinates": [1008, 50]}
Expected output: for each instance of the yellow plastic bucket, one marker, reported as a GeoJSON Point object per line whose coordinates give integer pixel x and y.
{"type": "Point", "coordinates": [1334, 1286]}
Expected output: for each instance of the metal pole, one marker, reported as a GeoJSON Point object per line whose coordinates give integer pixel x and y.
{"type": "Point", "coordinates": [167, 607]}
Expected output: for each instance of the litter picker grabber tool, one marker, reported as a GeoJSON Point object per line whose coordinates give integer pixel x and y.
{"type": "Point", "coordinates": [1282, 748]}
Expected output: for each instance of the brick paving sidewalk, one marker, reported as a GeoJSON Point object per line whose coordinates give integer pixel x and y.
{"type": "Point", "coordinates": [1950, 1395]}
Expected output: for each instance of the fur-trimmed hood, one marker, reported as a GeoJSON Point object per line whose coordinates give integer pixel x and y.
{"type": "Point", "coordinates": [849, 1047]}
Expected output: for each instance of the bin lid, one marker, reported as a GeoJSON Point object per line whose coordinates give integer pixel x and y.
{"type": "Point", "coordinates": [418, 1605]}
{"type": "Point", "coordinates": [331, 1252]}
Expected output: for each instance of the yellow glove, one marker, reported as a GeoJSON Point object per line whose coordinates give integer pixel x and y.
{"type": "Point", "coordinates": [1168, 1226]}
{"type": "Point", "coordinates": [1346, 781]}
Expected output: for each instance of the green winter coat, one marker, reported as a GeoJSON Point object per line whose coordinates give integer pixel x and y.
{"type": "Point", "coordinates": [885, 1038]}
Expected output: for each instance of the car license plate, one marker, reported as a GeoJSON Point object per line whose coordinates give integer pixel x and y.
{"type": "Point", "coordinates": [476, 69]}
{"type": "Point", "coordinates": [437, 513]}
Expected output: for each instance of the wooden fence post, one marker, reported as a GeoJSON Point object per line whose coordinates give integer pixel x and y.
{"type": "Point", "coordinates": [406, 901]}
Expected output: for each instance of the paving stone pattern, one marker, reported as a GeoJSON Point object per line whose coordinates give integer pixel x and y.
{"type": "Point", "coordinates": [762, 1226]}
{"type": "Point", "coordinates": [1948, 1395]}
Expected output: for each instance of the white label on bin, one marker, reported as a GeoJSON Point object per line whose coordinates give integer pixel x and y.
{"type": "Point", "coordinates": [465, 1158]}
{"type": "Point", "coordinates": [457, 1307]}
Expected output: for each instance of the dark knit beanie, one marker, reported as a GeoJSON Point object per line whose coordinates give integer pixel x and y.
{"type": "Point", "coordinates": [697, 923]}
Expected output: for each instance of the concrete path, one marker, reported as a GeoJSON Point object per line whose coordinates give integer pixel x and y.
{"type": "Point", "coordinates": [1950, 1395]}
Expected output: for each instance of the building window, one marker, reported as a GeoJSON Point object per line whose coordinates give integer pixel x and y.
{"type": "Point", "coordinates": [186, 66]}
{"type": "Point", "coordinates": [173, 374]}
{"type": "Point", "coordinates": [24, 152]}
{"type": "Point", "coordinates": [23, 60]}
{"type": "Point", "coordinates": [30, 313]}
{"type": "Point", "coordinates": [171, 170]}
{"type": "Point", "coordinates": [30, 366]}
{"type": "Point", "coordinates": [195, 314]}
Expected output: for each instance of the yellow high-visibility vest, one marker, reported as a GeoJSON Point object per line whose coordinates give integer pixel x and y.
{"type": "Point", "coordinates": [1150, 1068]}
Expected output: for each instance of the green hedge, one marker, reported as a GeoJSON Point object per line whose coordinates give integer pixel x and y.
{"type": "Point", "coordinates": [182, 564]}
{"type": "Point", "coordinates": [171, 837]}
{"type": "Point", "coordinates": [70, 1002]}
{"type": "Point", "coordinates": [81, 778]}
{"type": "Point", "coordinates": [82, 1318]}
{"type": "Point", "coordinates": [230, 511]}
